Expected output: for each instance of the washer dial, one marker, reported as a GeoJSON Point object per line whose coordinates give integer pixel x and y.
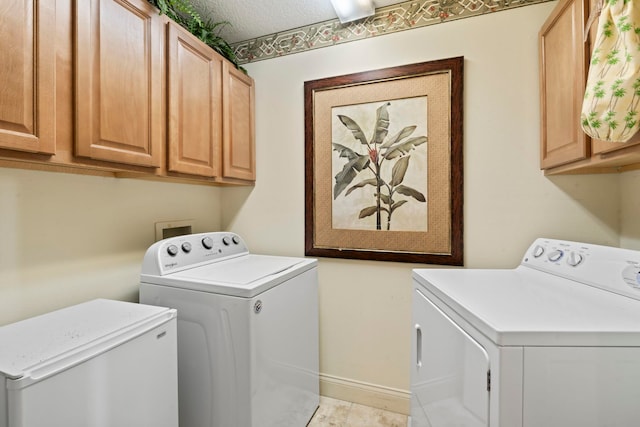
{"type": "Point", "coordinates": [207, 242]}
{"type": "Point", "coordinates": [172, 250]}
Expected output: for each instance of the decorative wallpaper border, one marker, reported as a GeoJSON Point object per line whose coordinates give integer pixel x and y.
{"type": "Point", "coordinates": [387, 20]}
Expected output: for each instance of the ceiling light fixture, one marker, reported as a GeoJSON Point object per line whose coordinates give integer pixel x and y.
{"type": "Point", "coordinates": [351, 10]}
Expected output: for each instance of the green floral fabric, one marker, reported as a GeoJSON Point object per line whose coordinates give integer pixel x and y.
{"type": "Point", "coordinates": [612, 96]}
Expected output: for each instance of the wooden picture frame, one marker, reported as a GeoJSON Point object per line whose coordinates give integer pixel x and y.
{"type": "Point", "coordinates": [384, 164]}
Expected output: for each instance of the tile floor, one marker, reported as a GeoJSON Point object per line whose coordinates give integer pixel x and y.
{"type": "Point", "coordinates": [338, 413]}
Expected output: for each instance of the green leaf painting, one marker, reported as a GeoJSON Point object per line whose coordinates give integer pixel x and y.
{"type": "Point", "coordinates": [379, 165]}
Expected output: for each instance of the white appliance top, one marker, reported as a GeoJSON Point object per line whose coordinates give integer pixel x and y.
{"type": "Point", "coordinates": [217, 262]}
{"type": "Point", "coordinates": [562, 294]}
{"type": "Point", "coordinates": [44, 345]}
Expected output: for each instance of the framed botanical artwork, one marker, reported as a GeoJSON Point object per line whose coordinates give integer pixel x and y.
{"type": "Point", "coordinates": [384, 164]}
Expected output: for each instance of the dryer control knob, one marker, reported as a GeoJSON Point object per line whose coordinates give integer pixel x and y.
{"type": "Point", "coordinates": [172, 250]}
{"type": "Point", "coordinates": [226, 241]}
{"type": "Point", "coordinates": [538, 251]}
{"type": "Point", "coordinates": [186, 247]}
{"type": "Point", "coordinates": [575, 259]}
{"type": "Point", "coordinates": [236, 240]}
{"type": "Point", "coordinates": [207, 242]}
{"type": "Point", "coordinates": [555, 255]}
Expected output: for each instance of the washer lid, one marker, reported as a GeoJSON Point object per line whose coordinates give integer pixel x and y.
{"type": "Point", "coordinates": [244, 276]}
{"type": "Point", "coordinates": [526, 307]}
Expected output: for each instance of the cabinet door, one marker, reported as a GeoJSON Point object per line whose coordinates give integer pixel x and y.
{"type": "Point", "coordinates": [119, 81]}
{"type": "Point", "coordinates": [562, 82]}
{"type": "Point", "coordinates": [238, 151]}
{"type": "Point", "coordinates": [27, 75]}
{"type": "Point", "coordinates": [602, 147]}
{"type": "Point", "coordinates": [194, 104]}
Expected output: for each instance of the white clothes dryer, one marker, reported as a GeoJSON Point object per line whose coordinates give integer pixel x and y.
{"type": "Point", "coordinates": [554, 342]}
{"type": "Point", "coordinates": [247, 330]}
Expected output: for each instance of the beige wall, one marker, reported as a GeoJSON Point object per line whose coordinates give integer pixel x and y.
{"type": "Point", "coordinates": [67, 238]}
{"type": "Point", "coordinates": [630, 210]}
{"type": "Point", "coordinates": [365, 306]}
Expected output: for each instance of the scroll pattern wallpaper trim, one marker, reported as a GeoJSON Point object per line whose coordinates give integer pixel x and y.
{"type": "Point", "coordinates": [387, 20]}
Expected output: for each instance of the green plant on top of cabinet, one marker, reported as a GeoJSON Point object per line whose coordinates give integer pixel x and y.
{"type": "Point", "coordinates": [27, 73]}
{"type": "Point", "coordinates": [185, 14]}
{"type": "Point", "coordinates": [564, 58]}
{"type": "Point", "coordinates": [119, 81]}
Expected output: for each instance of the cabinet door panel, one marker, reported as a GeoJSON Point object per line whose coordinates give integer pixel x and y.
{"type": "Point", "coordinates": [194, 105]}
{"type": "Point", "coordinates": [119, 81]}
{"type": "Point", "coordinates": [562, 80]}
{"type": "Point", "coordinates": [238, 150]}
{"type": "Point", "coordinates": [27, 75]}
{"type": "Point", "coordinates": [601, 147]}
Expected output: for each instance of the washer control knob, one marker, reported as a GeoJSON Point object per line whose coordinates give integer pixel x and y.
{"type": "Point", "coordinates": [555, 255]}
{"type": "Point", "coordinates": [226, 240]}
{"type": "Point", "coordinates": [207, 242]}
{"type": "Point", "coordinates": [538, 251]}
{"type": "Point", "coordinates": [172, 250]}
{"type": "Point", "coordinates": [236, 240]}
{"type": "Point", "coordinates": [186, 247]}
{"type": "Point", "coordinates": [575, 259]}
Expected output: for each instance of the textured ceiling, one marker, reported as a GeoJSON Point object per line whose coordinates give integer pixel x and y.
{"type": "Point", "coordinates": [254, 18]}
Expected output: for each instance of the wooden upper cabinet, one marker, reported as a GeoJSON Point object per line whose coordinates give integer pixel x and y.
{"type": "Point", "coordinates": [194, 104]}
{"type": "Point", "coordinates": [563, 59]}
{"type": "Point", "coordinates": [238, 151]}
{"type": "Point", "coordinates": [89, 84]}
{"type": "Point", "coordinates": [27, 75]}
{"type": "Point", "coordinates": [119, 81]}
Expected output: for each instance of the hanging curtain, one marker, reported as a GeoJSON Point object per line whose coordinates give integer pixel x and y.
{"type": "Point", "coordinates": [610, 110]}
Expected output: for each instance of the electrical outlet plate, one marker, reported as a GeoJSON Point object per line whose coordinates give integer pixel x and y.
{"type": "Point", "coordinates": [168, 229]}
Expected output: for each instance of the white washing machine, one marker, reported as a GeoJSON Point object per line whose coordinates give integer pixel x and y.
{"type": "Point", "coordinates": [247, 330]}
{"type": "Point", "coordinates": [554, 342]}
{"type": "Point", "coordinates": [96, 364]}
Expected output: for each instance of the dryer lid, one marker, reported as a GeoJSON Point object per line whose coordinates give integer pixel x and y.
{"type": "Point", "coordinates": [526, 307]}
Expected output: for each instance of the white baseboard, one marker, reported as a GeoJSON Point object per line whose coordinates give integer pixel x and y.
{"type": "Point", "coordinates": [376, 396]}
